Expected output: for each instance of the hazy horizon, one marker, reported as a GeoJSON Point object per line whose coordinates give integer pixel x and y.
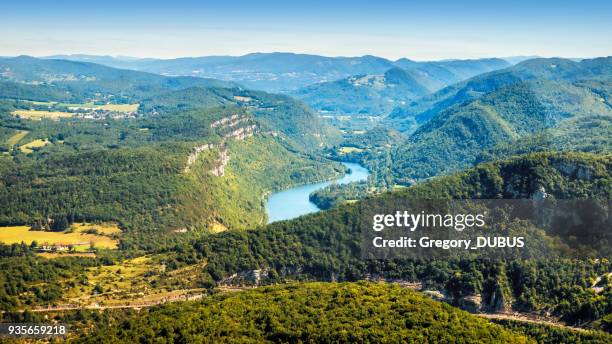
{"type": "Point", "coordinates": [121, 57]}
{"type": "Point", "coordinates": [436, 30]}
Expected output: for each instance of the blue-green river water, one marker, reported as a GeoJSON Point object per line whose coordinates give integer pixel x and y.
{"type": "Point", "coordinates": [294, 202]}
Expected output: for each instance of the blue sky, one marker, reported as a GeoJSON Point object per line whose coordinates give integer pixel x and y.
{"type": "Point", "coordinates": [423, 30]}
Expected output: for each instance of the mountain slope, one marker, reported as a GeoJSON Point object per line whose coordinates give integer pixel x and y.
{"type": "Point", "coordinates": [186, 155]}
{"type": "Point", "coordinates": [265, 71]}
{"type": "Point", "coordinates": [327, 243]}
{"type": "Point", "coordinates": [439, 74]}
{"type": "Point", "coordinates": [509, 110]}
{"type": "Point", "coordinates": [89, 78]}
{"type": "Point", "coordinates": [583, 134]}
{"type": "Point", "coordinates": [541, 69]}
{"type": "Point", "coordinates": [152, 175]}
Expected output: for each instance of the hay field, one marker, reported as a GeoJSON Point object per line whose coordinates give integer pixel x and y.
{"type": "Point", "coordinates": [75, 236]}
{"type": "Point", "coordinates": [39, 114]}
{"type": "Point", "coordinates": [13, 140]}
{"type": "Point", "coordinates": [345, 150]}
{"type": "Point", "coordinates": [29, 147]}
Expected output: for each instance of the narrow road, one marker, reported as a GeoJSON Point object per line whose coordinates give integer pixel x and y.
{"type": "Point", "coordinates": [131, 305]}
{"type": "Point", "coordinates": [528, 319]}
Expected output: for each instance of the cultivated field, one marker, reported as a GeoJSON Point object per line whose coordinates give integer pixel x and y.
{"type": "Point", "coordinates": [13, 140]}
{"type": "Point", "coordinates": [39, 114]}
{"type": "Point", "coordinates": [127, 108]}
{"type": "Point", "coordinates": [108, 107]}
{"type": "Point", "coordinates": [75, 236]}
{"type": "Point", "coordinates": [345, 150]}
{"type": "Point", "coordinates": [29, 147]}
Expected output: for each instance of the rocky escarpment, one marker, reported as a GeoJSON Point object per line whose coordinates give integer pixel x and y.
{"type": "Point", "coordinates": [241, 133]}
{"type": "Point", "coordinates": [230, 121]}
{"type": "Point", "coordinates": [222, 160]}
{"type": "Point", "coordinates": [195, 152]}
{"type": "Point", "coordinates": [574, 170]}
{"type": "Point", "coordinates": [234, 127]}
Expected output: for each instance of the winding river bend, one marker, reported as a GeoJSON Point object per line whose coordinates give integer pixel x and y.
{"type": "Point", "coordinates": [294, 202]}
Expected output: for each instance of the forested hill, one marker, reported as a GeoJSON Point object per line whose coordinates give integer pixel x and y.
{"type": "Point", "coordinates": [556, 69]}
{"type": "Point", "coordinates": [527, 106]}
{"type": "Point", "coordinates": [366, 94]}
{"type": "Point", "coordinates": [308, 313]}
{"type": "Point", "coordinates": [277, 114]}
{"type": "Point", "coordinates": [151, 175]}
{"type": "Point", "coordinates": [448, 72]}
{"type": "Point", "coordinates": [326, 245]}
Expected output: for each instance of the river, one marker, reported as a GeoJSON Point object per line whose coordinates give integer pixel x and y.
{"type": "Point", "coordinates": [294, 202]}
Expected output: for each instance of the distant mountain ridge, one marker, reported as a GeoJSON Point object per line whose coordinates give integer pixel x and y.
{"type": "Point", "coordinates": [86, 78]}
{"type": "Point", "coordinates": [279, 72]}
{"type": "Point", "coordinates": [398, 86]}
